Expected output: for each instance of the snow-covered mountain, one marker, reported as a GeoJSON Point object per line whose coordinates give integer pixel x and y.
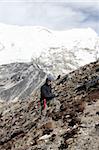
{"type": "Point", "coordinates": [55, 51]}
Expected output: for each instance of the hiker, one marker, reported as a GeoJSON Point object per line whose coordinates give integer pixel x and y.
{"type": "Point", "coordinates": [46, 92]}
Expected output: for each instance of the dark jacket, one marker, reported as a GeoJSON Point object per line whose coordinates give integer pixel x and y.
{"type": "Point", "coordinates": [46, 92]}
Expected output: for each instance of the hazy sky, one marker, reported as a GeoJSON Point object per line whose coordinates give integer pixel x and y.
{"type": "Point", "coordinates": [54, 14]}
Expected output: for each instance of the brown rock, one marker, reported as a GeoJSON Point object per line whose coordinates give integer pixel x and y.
{"type": "Point", "coordinates": [49, 125]}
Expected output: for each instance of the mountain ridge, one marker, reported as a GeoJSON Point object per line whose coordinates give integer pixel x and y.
{"type": "Point", "coordinates": [19, 80]}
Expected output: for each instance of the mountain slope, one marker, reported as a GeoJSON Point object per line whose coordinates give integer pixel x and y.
{"type": "Point", "coordinates": [66, 125]}
{"type": "Point", "coordinates": [19, 80]}
{"type": "Point", "coordinates": [51, 50]}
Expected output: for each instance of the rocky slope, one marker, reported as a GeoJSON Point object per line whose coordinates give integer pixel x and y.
{"type": "Point", "coordinates": [19, 80]}
{"type": "Point", "coordinates": [71, 122]}
{"type": "Point", "coordinates": [88, 135]}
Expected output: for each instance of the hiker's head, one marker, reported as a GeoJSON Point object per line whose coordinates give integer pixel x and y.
{"type": "Point", "coordinates": [49, 79]}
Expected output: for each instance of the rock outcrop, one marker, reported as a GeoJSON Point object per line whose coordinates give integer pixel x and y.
{"type": "Point", "coordinates": [71, 122]}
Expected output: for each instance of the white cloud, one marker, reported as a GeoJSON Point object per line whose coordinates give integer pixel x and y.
{"type": "Point", "coordinates": [54, 14]}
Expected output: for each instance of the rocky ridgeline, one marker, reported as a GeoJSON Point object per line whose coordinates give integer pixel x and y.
{"type": "Point", "coordinates": [69, 122]}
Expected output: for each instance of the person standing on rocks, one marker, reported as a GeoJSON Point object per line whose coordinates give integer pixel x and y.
{"type": "Point", "coordinates": [46, 92]}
